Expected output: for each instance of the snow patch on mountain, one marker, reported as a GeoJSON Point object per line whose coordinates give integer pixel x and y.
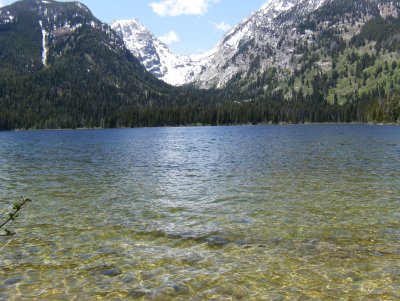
{"type": "Point", "coordinates": [45, 49]}
{"type": "Point", "coordinates": [275, 7]}
{"type": "Point", "coordinates": [388, 10]}
{"type": "Point", "coordinates": [6, 17]}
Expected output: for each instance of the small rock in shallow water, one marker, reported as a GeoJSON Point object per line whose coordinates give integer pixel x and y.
{"type": "Point", "coordinates": [183, 289]}
{"type": "Point", "coordinates": [216, 241]}
{"type": "Point", "coordinates": [13, 280]}
{"type": "Point", "coordinates": [136, 293]}
{"type": "Point", "coordinates": [111, 272]}
{"type": "Point", "coordinates": [129, 279]}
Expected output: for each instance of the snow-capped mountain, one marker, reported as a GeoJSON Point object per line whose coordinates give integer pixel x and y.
{"type": "Point", "coordinates": [267, 38]}
{"type": "Point", "coordinates": [219, 65]}
{"type": "Point", "coordinates": [156, 56]}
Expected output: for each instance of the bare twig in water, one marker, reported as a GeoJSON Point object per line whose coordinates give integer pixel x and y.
{"type": "Point", "coordinates": [14, 214]}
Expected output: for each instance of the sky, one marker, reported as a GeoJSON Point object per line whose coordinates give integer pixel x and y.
{"type": "Point", "coordinates": [187, 26]}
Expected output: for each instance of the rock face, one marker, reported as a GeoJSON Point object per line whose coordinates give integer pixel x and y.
{"type": "Point", "coordinates": [267, 38]}
{"type": "Point", "coordinates": [251, 45]}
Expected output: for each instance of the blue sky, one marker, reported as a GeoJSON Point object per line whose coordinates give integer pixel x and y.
{"type": "Point", "coordinates": [188, 26]}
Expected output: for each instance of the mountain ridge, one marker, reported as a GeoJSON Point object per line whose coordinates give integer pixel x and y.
{"type": "Point", "coordinates": [266, 39]}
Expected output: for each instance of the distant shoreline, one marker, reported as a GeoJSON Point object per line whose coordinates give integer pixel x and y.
{"type": "Point", "coordinates": [206, 125]}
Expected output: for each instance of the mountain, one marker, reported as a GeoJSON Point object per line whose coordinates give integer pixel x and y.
{"type": "Point", "coordinates": [41, 28]}
{"type": "Point", "coordinates": [156, 57]}
{"type": "Point", "coordinates": [324, 51]}
{"type": "Point", "coordinates": [269, 38]}
{"type": "Point", "coordinates": [61, 67]}
{"type": "Point", "coordinates": [217, 66]}
{"type": "Point", "coordinates": [264, 40]}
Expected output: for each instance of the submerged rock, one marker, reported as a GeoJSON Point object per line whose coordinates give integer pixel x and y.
{"type": "Point", "coordinates": [180, 288]}
{"type": "Point", "coordinates": [216, 241]}
{"type": "Point", "coordinates": [13, 280]}
{"type": "Point", "coordinates": [137, 293]}
{"type": "Point", "coordinates": [111, 272]}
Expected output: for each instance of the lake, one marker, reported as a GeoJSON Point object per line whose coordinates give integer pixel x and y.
{"type": "Point", "coordinates": [203, 213]}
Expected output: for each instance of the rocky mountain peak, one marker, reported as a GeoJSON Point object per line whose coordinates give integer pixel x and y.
{"type": "Point", "coordinates": [276, 7]}
{"type": "Point", "coordinates": [155, 56]}
{"type": "Point", "coordinates": [138, 39]}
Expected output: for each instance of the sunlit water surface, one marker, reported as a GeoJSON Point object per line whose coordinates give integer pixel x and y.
{"type": "Point", "coordinates": [210, 213]}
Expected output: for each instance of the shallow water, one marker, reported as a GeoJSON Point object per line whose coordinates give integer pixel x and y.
{"type": "Point", "coordinates": [209, 213]}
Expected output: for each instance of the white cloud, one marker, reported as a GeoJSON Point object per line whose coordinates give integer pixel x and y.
{"type": "Point", "coordinates": [1, 4]}
{"type": "Point", "coordinates": [222, 26]}
{"type": "Point", "coordinates": [181, 7]}
{"type": "Point", "coordinates": [169, 38]}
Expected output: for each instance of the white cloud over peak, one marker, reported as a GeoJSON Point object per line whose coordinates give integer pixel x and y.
{"type": "Point", "coordinates": [1, 4]}
{"type": "Point", "coordinates": [169, 38]}
{"type": "Point", "coordinates": [175, 8]}
{"type": "Point", "coordinates": [222, 26]}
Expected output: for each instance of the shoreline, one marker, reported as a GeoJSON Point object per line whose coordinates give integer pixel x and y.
{"type": "Point", "coordinates": [206, 125]}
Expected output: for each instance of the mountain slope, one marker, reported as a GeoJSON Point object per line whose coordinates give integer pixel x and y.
{"type": "Point", "coordinates": [62, 67]}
